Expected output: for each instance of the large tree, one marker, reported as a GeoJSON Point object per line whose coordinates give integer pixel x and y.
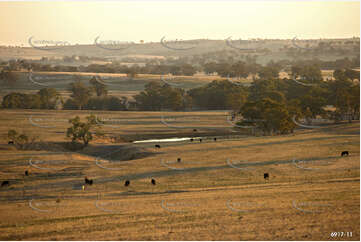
{"type": "Point", "coordinates": [269, 116]}
{"type": "Point", "coordinates": [48, 98]}
{"type": "Point", "coordinates": [157, 96]}
{"type": "Point", "coordinates": [80, 94]}
{"type": "Point", "coordinates": [81, 131]}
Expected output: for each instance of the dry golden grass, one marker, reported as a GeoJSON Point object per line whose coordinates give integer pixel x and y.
{"type": "Point", "coordinates": [200, 198]}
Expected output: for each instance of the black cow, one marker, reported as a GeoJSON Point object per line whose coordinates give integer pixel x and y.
{"type": "Point", "coordinates": [215, 139]}
{"type": "Point", "coordinates": [153, 182]}
{"type": "Point", "coordinates": [344, 153]}
{"type": "Point", "coordinates": [10, 142]}
{"type": "Point", "coordinates": [200, 140]}
{"type": "Point", "coordinates": [191, 139]}
{"type": "Point", "coordinates": [179, 159]}
{"type": "Point", "coordinates": [5, 183]}
{"type": "Point", "coordinates": [157, 146]}
{"type": "Point", "coordinates": [88, 181]}
{"type": "Point", "coordinates": [127, 183]}
{"type": "Point", "coordinates": [26, 173]}
{"type": "Point", "coordinates": [194, 130]}
{"type": "Point", "coordinates": [265, 175]}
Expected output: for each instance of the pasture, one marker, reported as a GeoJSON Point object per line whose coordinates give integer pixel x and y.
{"type": "Point", "coordinates": [216, 192]}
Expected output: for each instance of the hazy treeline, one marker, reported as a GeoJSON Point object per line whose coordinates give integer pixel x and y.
{"type": "Point", "coordinates": [223, 63]}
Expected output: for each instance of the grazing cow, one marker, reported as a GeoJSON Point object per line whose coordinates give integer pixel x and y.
{"type": "Point", "coordinates": [194, 130]}
{"type": "Point", "coordinates": [157, 146]}
{"type": "Point", "coordinates": [88, 181]}
{"type": "Point", "coordinates": [344, 153]}
{"type": "Point", "coordinates": [127, 183]}
{"type": "Point", "coordinates": [191, 139]}
{"type": "Point", "coordinates": [153, 182]}
{"type": "Point", "coordinates": [10, 142]}
{"type": "Point", "coordinates": [265, 175]}
{"type": "Point", "coordinates": [5, 183]}
{"type": "Point", "coordinates": [179, 159]}
{"type": "Point", "coordinates": [26, 173]}
{"type": "Point", "coordinates": [200, 140]}
{"type": "Point", "coordinates": [215, 139]}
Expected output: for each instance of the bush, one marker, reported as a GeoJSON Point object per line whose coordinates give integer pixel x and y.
{"type": "Point", "coordinates": [22, 141]}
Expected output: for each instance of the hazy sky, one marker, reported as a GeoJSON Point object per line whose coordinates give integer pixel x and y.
{"type": "Point", "coordinates": [81, 22]}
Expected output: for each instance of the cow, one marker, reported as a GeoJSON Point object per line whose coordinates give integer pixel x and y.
{"type": "Point", "coordinates": [88, 181]}
{"type": "Point", "coordinates": [215, 139]}
{"type": "Point", "coordinates": [153, 182]}
{"type": "Point", "coordinates": [10, 142]}
{"type": "Point", "coordinates": [200, 140]}
{"type": "Point", "coordinates": [194, 130]}
{"type": "Point", "coordinates": [157, 146]}
{"type": "Point", "coordinates": [26, 173]}
{"type": "Point", "coordinates": [5, 183]}
{"type": "Point", "coordinates": [265, 175]}
{"type": "Point", "coordinates": [344, 153]}
{"type": "Point", "coordinates": [127, 183]}
{"type": "Point", "coordinates": [191, 139]}
{"type": "Point", "coordinates": [179, 159]}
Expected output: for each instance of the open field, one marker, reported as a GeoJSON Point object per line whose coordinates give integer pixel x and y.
{"type": "Point", "coordinates": [216, 192]}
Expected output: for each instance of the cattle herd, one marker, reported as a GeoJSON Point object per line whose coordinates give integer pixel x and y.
{"type": "Point", "coordinates": [153, 182]}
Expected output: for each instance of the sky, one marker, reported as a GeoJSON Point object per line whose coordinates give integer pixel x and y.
{"type": "Point", "coordinates": [81, 22]}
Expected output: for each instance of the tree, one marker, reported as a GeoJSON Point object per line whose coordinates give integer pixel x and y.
{"type": "Point", "coordinates": [99, 88]}
{"type": "Point", "coordinates": [157, 96]}
{"type": "Point", "coordinates": [210, 67]}
{"type": "Point", "coordinates": [81, 130]}
{"type": "Point", "coordinates": [240, 69]}
{"type": "Point", "coordinates": [188, 70]}
{"type": "Point", "coordinates": [12, 134]}
{"type": "Point", "coordinates": [105, 103]}
{"type": "Point", "coordinates": [269, 72]}
{"type": "Point", "coordinates": [48, 98]}
{"type": "Point", "coordinates": [260, 87]}
{"type": "Point", "coordinates": [218, 95]}
{"type": "Point", "coordinates": [269, 116]}
{"type": "Point", "coordinates": [21, 140]}
{"type": "Point", "coordinates": [80, 94]}
{"type": "Point", "coordinates": [310, 72]}
{"type": "Point", "coordinates": [8, 77]}
{"type": "Point", "coordinates": [344, 95]}
{"type": "Point", "coordinates": [13, 100]}
{"type": "Point", "coordinates": [21, 100]}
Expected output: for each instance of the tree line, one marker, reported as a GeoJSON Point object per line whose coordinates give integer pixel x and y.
{"type": "Point", "coordinates": [268, 104]}
{"type": "Point", "coordinates": [185, 66]}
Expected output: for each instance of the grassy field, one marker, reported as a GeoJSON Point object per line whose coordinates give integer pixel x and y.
{"type": "Point", "coordinates": [216, 192]}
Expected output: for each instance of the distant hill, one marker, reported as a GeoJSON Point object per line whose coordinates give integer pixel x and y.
{"type": "Point", "coordinates": [267, 49]}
